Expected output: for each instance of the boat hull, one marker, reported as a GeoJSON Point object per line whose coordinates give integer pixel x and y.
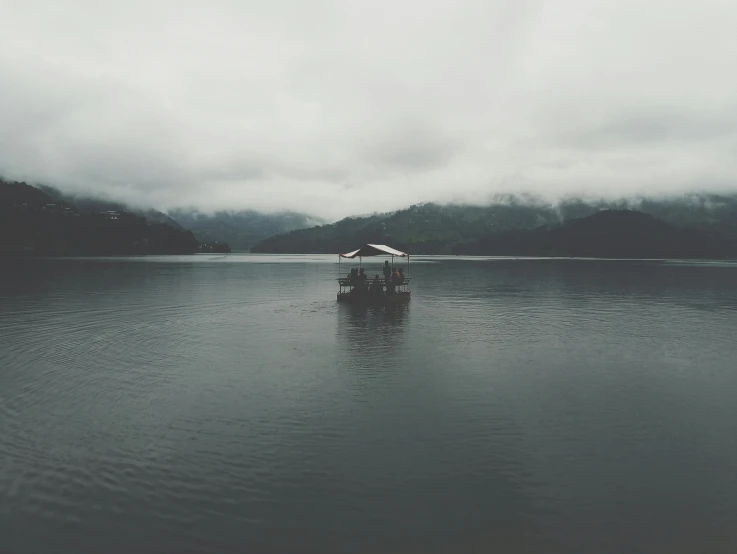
{"type": "Point", "coordinates": [374, 300]}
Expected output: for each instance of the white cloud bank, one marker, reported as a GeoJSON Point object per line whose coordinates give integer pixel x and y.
{"type": "Point", "coordinates": [347, 106]}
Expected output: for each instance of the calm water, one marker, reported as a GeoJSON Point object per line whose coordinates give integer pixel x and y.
{"type": "Point", "coordinates": [228, 404]}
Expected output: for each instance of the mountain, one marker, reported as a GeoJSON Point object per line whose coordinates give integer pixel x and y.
{"type": "Point", "coordinates": [436, 229]}
{"type": "Point", "coordinates": [427, 228]}
{"type": "Point", "coordinates": [710, 212]}
{"type": "Point", "coordinates": [240, 229]}
{"type": "Point", "coordinates": [95, 204]}
{"type": "Point", "coordinates": [32, 221]}
{"type": "Point", "coordinates": [218, 232]}
{"type": "Point", "coordinates": [607, 234]}
{"type": "Point", "coordinates": [45, 220]}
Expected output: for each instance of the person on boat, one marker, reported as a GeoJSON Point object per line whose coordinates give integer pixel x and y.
{"type": "Point", "coordinates": [362, 279]}
{"type": "Point", "coordinates": [387, 272]}
{"type": "Point", "coordinates": [401, 276]}
{"type": "Point", "coordinates": [376, 287]}
{"type": "Point", "coordinates": [391, 283]}
{"type": "Point", "coordinates": [354, 281]}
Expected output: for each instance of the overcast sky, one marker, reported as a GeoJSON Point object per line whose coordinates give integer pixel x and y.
{"type": "Point", "coordinates": [346, 106]}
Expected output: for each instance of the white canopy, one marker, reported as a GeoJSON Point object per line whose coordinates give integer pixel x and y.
{"type": "Point", "coordinates": [374, 250]}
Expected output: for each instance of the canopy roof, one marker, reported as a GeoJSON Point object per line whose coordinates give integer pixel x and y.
{"type": "Point", "coordinates": [374, 250]}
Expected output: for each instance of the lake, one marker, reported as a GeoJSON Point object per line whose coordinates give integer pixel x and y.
{"type": "Point", "coordinates": [208, 404]}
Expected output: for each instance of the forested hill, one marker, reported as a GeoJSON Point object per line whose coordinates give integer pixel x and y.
{"type": "Point", "coordinates": [427, 228]}
{"type": "Point", "coordinates": [237, 230]}
{"type": "Point", "coordinates": [32, 221]}
{"type": "Point", "coordinates": [95, 204]}
{"type": "Point", "coordinates": [240, 229]}
{"type": "Point", "coordinates": [607, 234]}
{"type": "Point", "coordinates": [449, 229]}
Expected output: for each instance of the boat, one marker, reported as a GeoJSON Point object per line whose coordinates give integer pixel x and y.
{"type": "Point", "coordinates": [369, 291]}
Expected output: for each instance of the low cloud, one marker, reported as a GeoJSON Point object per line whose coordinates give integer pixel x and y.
{"type": "Point", "coordinates": [336, 108]}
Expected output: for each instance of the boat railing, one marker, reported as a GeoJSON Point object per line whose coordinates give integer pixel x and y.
{"type": "Point", "coordinates": [345, 282]}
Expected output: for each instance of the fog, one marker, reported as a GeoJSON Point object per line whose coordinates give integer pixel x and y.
{"type": "Point", "coordinates": [342, 107]}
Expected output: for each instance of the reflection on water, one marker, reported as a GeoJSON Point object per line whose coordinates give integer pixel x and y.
{"type": "Point", "coordinates": [230, 404]}
{"type": "Point", "coordinates": [371, 331]}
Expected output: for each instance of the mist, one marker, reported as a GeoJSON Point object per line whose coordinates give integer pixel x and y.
{"type": "Point", "coordinates": [337, 108]}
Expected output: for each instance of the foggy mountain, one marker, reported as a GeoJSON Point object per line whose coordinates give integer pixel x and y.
{"type": "Point", "coordinates": [33, 222]}
{"type": "Point", "coordinates": [606, 234]}
{"type": "Point", "coordinates": [444, 229]}
{"type": "Point", "coordinates": [511, 224]}
{"type": "Point", "coordinates": [240, 229]}
{"type": "Point", "coordinates": [95, 204]}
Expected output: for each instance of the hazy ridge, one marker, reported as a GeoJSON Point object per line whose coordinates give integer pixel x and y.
{"type": "Point", "coordinates": [451, 229]}
{"type": "Point", "coordinates": [45, 220]}
{"type": "Point", "coordinates": [240, 229]}
{"type": "Point", "coordinates": [33, 222]}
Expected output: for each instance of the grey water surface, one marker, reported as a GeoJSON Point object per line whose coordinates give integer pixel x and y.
{"type": "Point", "coordinates": [209, 404]}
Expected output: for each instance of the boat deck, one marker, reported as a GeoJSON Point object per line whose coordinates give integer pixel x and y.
{"type": "Point", "coordinates": [399, 293]}
{"type": "Point", "coordinates": [376, 299]}
{"type": "Point", "coordinates": [345, 282]}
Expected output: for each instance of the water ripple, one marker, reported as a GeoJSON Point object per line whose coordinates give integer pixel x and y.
{"type": "Point", "coordinates": [230, 404]}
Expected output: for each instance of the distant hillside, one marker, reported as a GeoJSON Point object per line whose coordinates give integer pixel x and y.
{"type": "Point", "coordinates": [241, 229]}
{"type": "Point", "coordinates": [219, 232]}
{"type": "Point", "coordinates": [711, 212]}
{"type": "Point", "coordinates": [607, 234]}
{"type": "Point", "coordinates": [34, 222]}
{"type": "Point", "coordinates": [426, 228]}
{"type": "Point", "coordinates": [90, 205]}
{"type": "Point", "coordinates": [435, 229]}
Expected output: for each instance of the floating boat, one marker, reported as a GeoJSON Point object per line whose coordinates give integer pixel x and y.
{"type": "Point", "coordinates": [367, 290]}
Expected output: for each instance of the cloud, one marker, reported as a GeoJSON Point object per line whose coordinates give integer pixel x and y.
{"type": "Point", "coordinates": [655, 125]}
{"type": "Point", "coordinates": [348, 107]}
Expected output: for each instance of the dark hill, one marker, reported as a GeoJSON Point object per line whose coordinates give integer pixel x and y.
{"type": "Point", "coordinates": [632, 234]}
{"type": "Point", "coordinates": [448, 229]}
{"type": "Point", "coordinates": [97, 204]}
{"type": "Point", "coordinates": [324, 238]}
{"type": "Point", "coordinates": [240, 229]}
{"type": "Point", "coordinates": [33, 222]}
{"type": "Point", "coordinates": [426, 228]}
{"type": "Point", "coordinates": [607, 234]}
